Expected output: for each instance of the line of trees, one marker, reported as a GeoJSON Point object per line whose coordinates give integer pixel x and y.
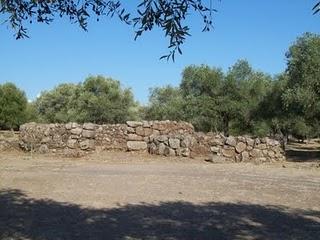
{"type": "Point", "coordinates": [240, 101]}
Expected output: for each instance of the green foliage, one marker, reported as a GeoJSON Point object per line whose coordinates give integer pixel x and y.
{"type": "Point", "coordinates": [98, 99]}
{"type": "Point", "coordinates": [165, 104]}
{"type": "Point", "coordinates": [13, 103]}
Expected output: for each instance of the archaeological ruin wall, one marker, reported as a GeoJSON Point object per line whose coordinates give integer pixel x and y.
{"type": "Point", "coordinates": [169, 138]}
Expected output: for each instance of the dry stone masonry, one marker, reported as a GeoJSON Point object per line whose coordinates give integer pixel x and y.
{"type": "Point", "coordinates": [169, 138]}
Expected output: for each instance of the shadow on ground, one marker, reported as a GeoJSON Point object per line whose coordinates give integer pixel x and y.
{"type": "Point", "coordinates": [303, 152]}
{"type": "Point", "coordinates": [26, 218]}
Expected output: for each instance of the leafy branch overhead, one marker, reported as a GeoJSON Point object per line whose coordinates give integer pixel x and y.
{"type": "Point", "coordinates": [165, 14]}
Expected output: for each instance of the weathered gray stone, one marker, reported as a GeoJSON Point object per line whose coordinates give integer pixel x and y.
{"type": "Point", "coordinates": [134, 137]}
{"type": "Point", "coordinates": [89, 126]}
{"type": "Point", "coordinates": [161, 148]}
{"type": "Point", "coordinates": [152, 148]}
{"type": "Point", "coordinates": [134, 124]}
{"type": "Point", "coordinates": [88, 134]}
{"type": "Point", "coordinates": [88, 144]}
{"type": "Point", "coordinates": [240, 147]}
{"type": "Point", "coordinates": [161, 138]}
{"type": "Point", "coordinates": [69, 126]}
{"type": "Point", "coordinates": [43, 149]}
{"type": "Point", "coordinates": [250, 142]}
{"type": "Point", "coordinates": [186, 141]}
{"type": "Point", "coordinates": [136, 145]}
{"type": "Point", "coordinates": [76, 131]}
{"type": "Point", "coordinates": [185, 152]}
{"type": "Point", "coordinates": [257, 141]}
{"type": "Point", "coordinates": [169, 152]}
{"type": "Point", "coordinates": [231, 141]}
{"type": "Point", "coordinates": [174, 143]}
{"type": "Point", "coordinates": [72, 143]}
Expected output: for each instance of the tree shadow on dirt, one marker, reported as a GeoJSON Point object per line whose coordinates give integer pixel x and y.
{"type": "Point", "coordinates": [294, 155]}
{"type": "Point", "coordinates": [22, 217]}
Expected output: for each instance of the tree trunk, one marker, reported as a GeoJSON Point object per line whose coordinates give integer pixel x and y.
{"type": "Point", "coordinates": [226, 126]}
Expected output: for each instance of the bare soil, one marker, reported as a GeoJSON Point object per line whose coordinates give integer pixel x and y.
{"type": "Point", "coordinates": [136, 196]}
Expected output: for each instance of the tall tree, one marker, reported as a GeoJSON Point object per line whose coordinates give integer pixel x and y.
{"type": "Point", "coordinates": [13, 103]}
{"type": "Point", "coordinates": [302, 96]}
{"type": "Point", "coordinates": [98, 100]}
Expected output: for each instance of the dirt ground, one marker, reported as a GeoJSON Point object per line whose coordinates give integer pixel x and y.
{"type": "Point", "coordinates": [134, 196]}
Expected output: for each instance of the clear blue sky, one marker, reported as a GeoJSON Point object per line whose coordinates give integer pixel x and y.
{"type": "Point", "coordinates": [259, 31]}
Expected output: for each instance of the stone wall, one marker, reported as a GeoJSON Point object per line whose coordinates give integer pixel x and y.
{"type": "Point", "coordinates": [9, 140]}
{"type": "Point", "coordinates": [167, 138]}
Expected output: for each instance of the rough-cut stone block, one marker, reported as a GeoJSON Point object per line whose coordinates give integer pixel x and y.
{"type": "Point", "coordinates": [89, 126]}
{"type": "Point", "coordinates": [72, 143]}
{"type": "Point", "coordinates": [174, 143]}
{"type": "Point", "coordinates": [261, 146]}
{"type": "Point", "coordinates": [146, 124]}
{"type": "Point", "coordinates": [43, 149]}
{"type": "Point", "coordinates": [134, 124]}
{"type": "Point", "coordinates": [69, 126]}
{"type": "Point", "coordinates": [148, 132]}
{"type": "Point", "coordinates": [152, 148]}
{"type": "Point", "coordinates": [46, 140]}
{"type": "Point", "coordinates": [76, 131]}
{"type": "Point", "coordinates": [231, 141]}
{"type": "Point", "coordinates": [240, 147]}
{"type": "Point", "coordinates": [130, 130]}
{"type": "Point", "coordinates": [134, 137]}
{"type": "Point", "coordinates": [161, 138]}
{"type": "Point", "coordinates": [256, 153]}
{"type": "Point", "coordinates": [136, 145]}
{"type": "Point", "coordinates": [215, 149]}
{"type": "Point", "coordinates": [140, 131]}
{"type": "Point", "coordinates": [241, 139]}
{"type": "Point", "coordinates": [161, 148]}
{"type": "Point", "coordinates": [228, 152]}
{"type": "Point", "coordinates": [74, 125]}
{"type": "Point", "coordinates": [245, 157]}
{"type": "Point", "coordinates": [169, 152]}
{"type": "Point", "coordinates": [218, 141]}
{"type": "Point", "coordinates": [185, 152]}
{"type": "Point", "coordinates": [88, 134]}
{"type": "Point", "coordinates": [250, 142]}
{"type": "Point", "coordinates": [88, 144]}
